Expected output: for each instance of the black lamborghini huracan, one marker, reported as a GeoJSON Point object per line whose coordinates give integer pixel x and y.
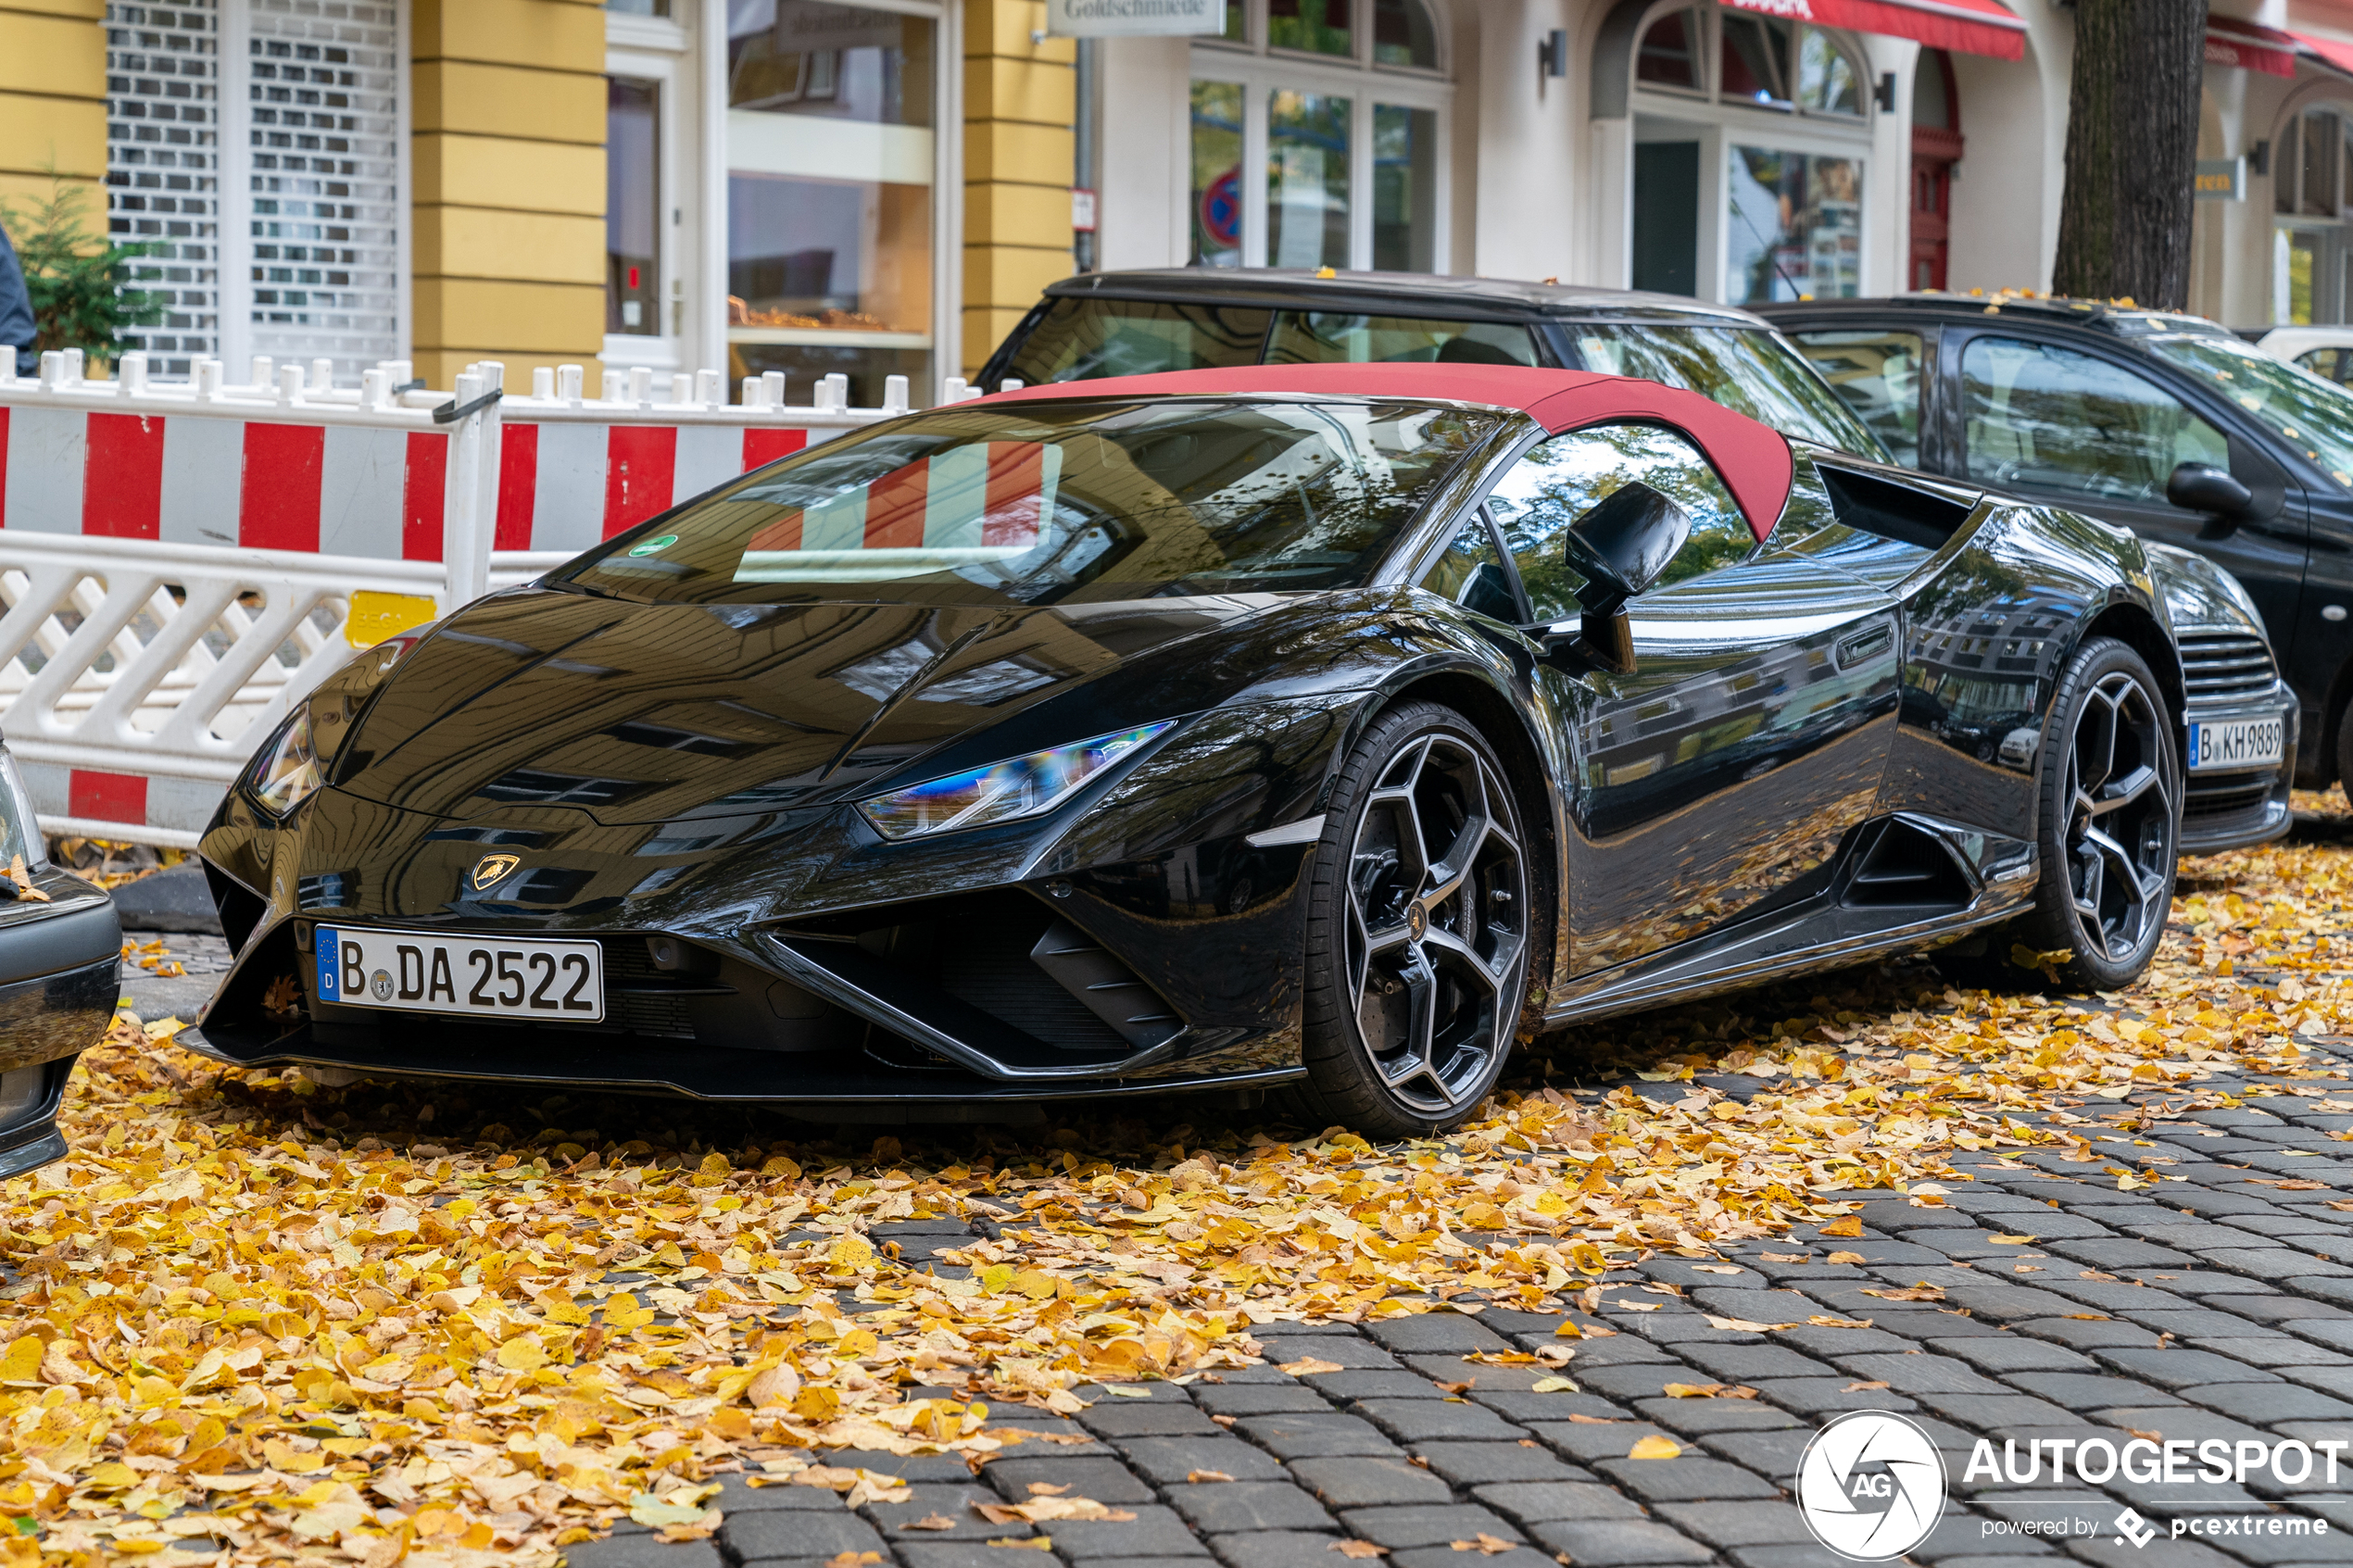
{"type": "Point", "coordinates": [1315, 726]}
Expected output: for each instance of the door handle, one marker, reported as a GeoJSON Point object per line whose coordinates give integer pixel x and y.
{"type": "Point", "coordinates": [1856, 647]}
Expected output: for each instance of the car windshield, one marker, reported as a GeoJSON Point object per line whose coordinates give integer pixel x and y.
{"type": "Point", "coordinates": [1749, 369]}
{"type": "Point", "coordinates": [2314, 413]}
{"type": "Point", "coordinates": [1044, 503]}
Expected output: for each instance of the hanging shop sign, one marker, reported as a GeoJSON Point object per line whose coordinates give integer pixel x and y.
{"type": "Point", "coordinates": [1133, 18]}
{"type": "Point", "coordinates": [2221, 180]}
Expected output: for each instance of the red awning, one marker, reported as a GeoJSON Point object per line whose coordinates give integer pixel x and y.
{"type": "Point", "coordinates": [1973, 27]}
{"type": "Point", "coordinates": [2232, 43]}
{"type": "Point", "coordinates": [2327, 50]}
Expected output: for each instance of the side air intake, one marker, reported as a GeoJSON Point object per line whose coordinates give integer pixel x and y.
{"type": "Point", "coordinates": [1904, 867]}
{"type": "Point", "coordinates": [1893, 511]}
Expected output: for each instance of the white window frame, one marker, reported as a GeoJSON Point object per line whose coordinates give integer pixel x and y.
{"type": "Point", "coordinates": [1721, 124]}
{"type": "Point", "coordinates": [945, 349]}
{"type": "Point", "coordinates": [666, 63]}
{"type": "Point", "coordinates": [233, 185]}
{"type": "Point", "coordinates": [1261, 71]}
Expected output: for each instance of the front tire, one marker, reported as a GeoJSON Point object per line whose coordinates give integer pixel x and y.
{"type": "Point", "coordinates": [1417, 930]}
{"type": "Point", "coordinates": [2108, 832]}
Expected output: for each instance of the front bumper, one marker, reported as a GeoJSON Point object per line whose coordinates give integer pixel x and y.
{"type": "Point", "coordinates": [2243, 808]}
{"type": "Point", "coordinates": [1060, 989]}
{"type": "Point", "coordinates": [58, 984]}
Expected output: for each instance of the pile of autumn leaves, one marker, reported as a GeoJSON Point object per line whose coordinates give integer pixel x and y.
{"type": "Point", "coordinates": [251, 1317]}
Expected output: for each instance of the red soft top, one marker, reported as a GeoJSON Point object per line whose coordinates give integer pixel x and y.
{"type": "Point", "coordinates": [1751, 458]}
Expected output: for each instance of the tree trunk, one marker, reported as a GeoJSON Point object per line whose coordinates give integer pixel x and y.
{"type": "Point", "coordinates": [2131, 151]}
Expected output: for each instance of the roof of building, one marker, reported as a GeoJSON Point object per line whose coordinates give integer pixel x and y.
{"type": "Point", "coordinates": [1504, 297]}
{"type": "Point", "coordinates": [1753, 459]}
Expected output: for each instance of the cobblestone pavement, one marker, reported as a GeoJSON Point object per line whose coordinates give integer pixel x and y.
{"type": "Point", "coordinates": [152, 995]}
{"type": "Point", "coordinates": [2213, 1304]}
{"type": "Point", "coordinates": [2186, 1282]}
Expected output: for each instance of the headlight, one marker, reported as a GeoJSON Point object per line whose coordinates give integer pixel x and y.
{"type": "Point", "coordinates": [291, 764]}
{"type": "Point", "coordinates": [1022, 787]}
{"type": "Point", "coordinates": [288, 770]}
{"type": "Point", "coordinates": [19, 825]}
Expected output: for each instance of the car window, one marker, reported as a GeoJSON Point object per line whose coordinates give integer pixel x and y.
{"type": "Point", "coordinates": [1085, 339]}
{"type": "Point", "coordinates": [1472, 573]}
{"type": "Point", "coordinates": [2334, 363]}
{"type": "Point", "coordinates": [1878, 375]}
{"type": "Point", "coordinates": [1748, 370]}
{"type": "Point", "coordinates": [1565, 477]}
{"type": "Point", "coordinates": [2049, 418]}
{"type": "Point", "coordinates": [2298, 405]}
{"type": "Point", "coordinates": [1332, 337]}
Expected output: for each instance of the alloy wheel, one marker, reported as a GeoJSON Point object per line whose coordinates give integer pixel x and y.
{"type": "Point", "coordinates": [2121, 817]}
{"type": "Point", "coordinates": [1437, 924]}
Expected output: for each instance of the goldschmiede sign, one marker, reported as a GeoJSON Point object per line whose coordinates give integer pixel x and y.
{"type": "Point", "coordinates": [1130, 18]}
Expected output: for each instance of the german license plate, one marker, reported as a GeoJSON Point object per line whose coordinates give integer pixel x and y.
{"type": "Point", "coordinates": [480, 976]}
{"type": "Point", "coordinates": [2236, 743]}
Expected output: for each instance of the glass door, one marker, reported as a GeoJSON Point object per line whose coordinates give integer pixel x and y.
{"type": "Point", "coordinates": [647, 264]}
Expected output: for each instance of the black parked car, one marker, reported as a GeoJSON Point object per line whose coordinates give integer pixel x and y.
{"type": "Point", "coordinates": [1276, 726]}
{"type": "Point", "coordinates": [1146, 321]}
{"type": "Point", "coordinates": [61, 953]}
{"type": "Point", "coordinates": [2170, 426]}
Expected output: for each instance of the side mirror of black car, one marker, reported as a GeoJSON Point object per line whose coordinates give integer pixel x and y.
{"type": "Point", "coordinates": [1620, 546]}
{"type": "Point", "coordinates": [2202, 487]}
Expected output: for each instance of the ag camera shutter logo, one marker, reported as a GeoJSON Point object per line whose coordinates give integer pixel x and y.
{"type": "Point", "coordinates": [1872, 1486]}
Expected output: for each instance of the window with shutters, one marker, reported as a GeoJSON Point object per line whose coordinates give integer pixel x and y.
{"type": "Point", "coordinates": [260, 147]}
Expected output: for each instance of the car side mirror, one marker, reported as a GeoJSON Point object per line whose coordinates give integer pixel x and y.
{"type": "Point", "coordinates": [1620, 547]}
{"type": "Point", "coordinates": [2202, 487]}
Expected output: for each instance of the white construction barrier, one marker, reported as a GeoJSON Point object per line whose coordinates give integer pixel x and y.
{"type": "Point", "coordinates": [181, 562]}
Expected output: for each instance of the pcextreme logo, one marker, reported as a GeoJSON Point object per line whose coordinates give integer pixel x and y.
{"type": "Point", "coordinates": [1872, 1486]}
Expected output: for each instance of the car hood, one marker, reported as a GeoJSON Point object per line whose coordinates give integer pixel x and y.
{"type": "Point", "coordinates": [636, 713]}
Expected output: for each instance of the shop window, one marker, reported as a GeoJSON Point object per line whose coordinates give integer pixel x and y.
{"type": "Point", "coordinates": [1218, 174]}
{"type": "Point", "coordinates": [1404, 34]}
{"type": "Point", "coordinates": [1307, 179]}
{"type": "Point", "coordinates": [830, 260]}
{"type": "Point", "coordinates": [274, 208]}
{"type": "Point", "coordinates": [2322, 138]}
{"type": "Point", "coordinates": [1754, 59]}
{"type": "Point", "coordinates": [1315, 27]}
{"type": "Point", "coordinates": [1825, 77]}
{"type": "Point", "coordinates": [2286, 164]}
{"type": "Point", "coordinates": [1405, 189]}
{"type": "Point", "coordinates": [1669, 54]}
{"type": "Point", "coordinates": [1796, 226]}
{"type": "Point", "coordinates": [633, 207]}
{"type": "Point", "coordinates": [1346, 163]}
{"type": "Point", "coordinates": [1237, 28]}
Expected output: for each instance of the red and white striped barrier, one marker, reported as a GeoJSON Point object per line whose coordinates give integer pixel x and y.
{"type": "Point", "coordinates": [180, 563]}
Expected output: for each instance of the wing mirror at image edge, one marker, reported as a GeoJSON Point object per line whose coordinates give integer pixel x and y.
{"type": "Point", "coordinates": [1619, 546]}
{"type": "Point", "coordinates": [2222, 496]}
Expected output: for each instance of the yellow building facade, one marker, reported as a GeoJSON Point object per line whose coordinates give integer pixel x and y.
{"type": "Point", "coordinates": [797, 186]}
